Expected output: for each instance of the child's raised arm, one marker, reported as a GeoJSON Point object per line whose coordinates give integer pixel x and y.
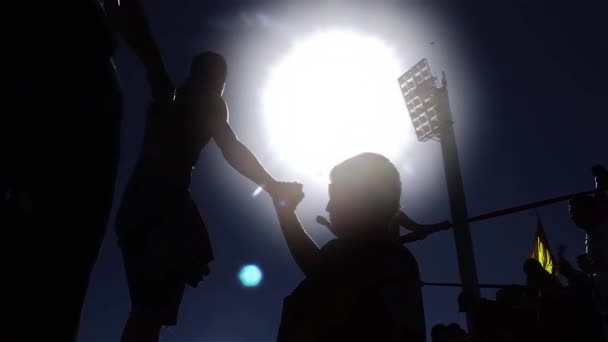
{"type": "Point", "coordinates": [303, 249]}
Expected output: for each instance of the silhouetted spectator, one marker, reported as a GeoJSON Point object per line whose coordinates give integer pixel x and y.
{"type": "Point", "coordinates": [590, 213]}
{"type": "Point", "coordinates": [438, 332]}
{"type": "Point", "coordinates": [537, 277]}
{"type": "Point", "coordinates": [60, 151]}
{"type": "Point", "coordinates": [361, 286]}
{"type": "Point", "coordinates": [577, 279]}
{"type": "Point", "coordinates": [585, 316]}
{"type": "Point", "coordinates": [518, 312]}
{"type": "Point", "coordinates": [450, 333]}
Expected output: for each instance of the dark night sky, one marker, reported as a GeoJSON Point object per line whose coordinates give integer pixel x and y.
{"type": "Point", "coordinates": [534, 124]}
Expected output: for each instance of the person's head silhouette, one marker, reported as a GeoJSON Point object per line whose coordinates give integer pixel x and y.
{"type": "Point", "coordinates": [210, 69]}
{"type": "Point", "coordinates": [364, 195]}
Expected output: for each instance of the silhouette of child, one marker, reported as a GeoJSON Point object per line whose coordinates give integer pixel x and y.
{"type": "Point", "coordinates": [363, 285]}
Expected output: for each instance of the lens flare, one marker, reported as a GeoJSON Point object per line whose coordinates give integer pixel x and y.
{"type": "Point", "coordinates": [250, 276]}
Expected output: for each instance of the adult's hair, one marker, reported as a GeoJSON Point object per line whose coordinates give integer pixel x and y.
{"type": "Point", "coordinates": [373, 179]}
{"type": "Point", "coordinates": [210, 66]}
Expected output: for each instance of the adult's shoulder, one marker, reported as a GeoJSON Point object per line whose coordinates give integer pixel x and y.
{"type": "Point", "coordinates": [218, 104]}
{"type": "Point", "coordinates": [214, 104]}
{"type": "Point", "coordinates": [196, 98]}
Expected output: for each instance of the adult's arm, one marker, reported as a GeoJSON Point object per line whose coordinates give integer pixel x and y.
{"type": "Point", "coordinates": [129, 19]}
{"type": "Point", "coordinates": [236, 153]}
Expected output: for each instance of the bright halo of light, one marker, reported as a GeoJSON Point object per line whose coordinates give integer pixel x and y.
{"type": "Point", "coordinates": [332, 96]}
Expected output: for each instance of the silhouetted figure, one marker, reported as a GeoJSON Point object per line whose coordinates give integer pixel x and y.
{"type": "Point", "coordinates": [164, 241]}
{"type": "Point", "coordinates": [590, 213]}
{"type": "Point", "coordinates": [516, 316]}
{"type": "Point", "coordinates": [60, 146]}
{"type": "Point", "coordinates": [450, 333]}
{"type": "Point", "coordinates": [564, 313]}
{"type": "Point", "coordinates": [577, 279]}
{"type": "Point", "coordinates": [538, 278]}
{"type": "Point", "coordinates": [362, 286]}
{"type": "Point", "coordinates": [586, 319]}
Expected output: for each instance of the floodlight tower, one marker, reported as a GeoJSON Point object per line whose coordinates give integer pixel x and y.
{"type": "Point", "coordinates": [429, 109]}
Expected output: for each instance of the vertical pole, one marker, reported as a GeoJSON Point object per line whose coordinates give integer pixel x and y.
{"type": "Point", "coordinates": [464, 245]}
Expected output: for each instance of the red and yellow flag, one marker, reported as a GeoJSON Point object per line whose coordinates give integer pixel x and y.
{"type": "Point", "coordinates": [541, 250]}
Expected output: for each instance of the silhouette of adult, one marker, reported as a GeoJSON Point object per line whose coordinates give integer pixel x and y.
{"type": "Point", "coordinates": [450, 333]}
{"type": "Point", "coordinates": [361, 286]}
{"type": "Point", "coordinates": [60, 146]}
{"type": "Point", "coordinates": [586, 319]}
{"type": "Point", "coordinates": [163, 238]}
{"type": "Point", "coordinates": [590, 213]}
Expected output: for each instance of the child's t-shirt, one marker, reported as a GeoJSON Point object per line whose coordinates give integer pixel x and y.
{"type": "Point", "coordinates": [364, 291]}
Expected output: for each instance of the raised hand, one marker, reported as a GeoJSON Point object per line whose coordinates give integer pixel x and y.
{"type": "Point", "coordinates": [286, 195]}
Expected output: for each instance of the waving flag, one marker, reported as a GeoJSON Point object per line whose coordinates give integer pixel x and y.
{"type": "Point", "coordinates": [541, 250]}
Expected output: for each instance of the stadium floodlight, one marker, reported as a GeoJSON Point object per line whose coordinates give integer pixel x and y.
{"type": "Point", "coordinates": [424, 100]}
{"type": "Point", "coordinates": [428, 107]}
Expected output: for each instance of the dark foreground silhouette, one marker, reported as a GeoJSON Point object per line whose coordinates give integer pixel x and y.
{"type": "Point", "coordinates": [60, 145]}
{"type": "Point", "coordinates": [361, 286]}
{"type": "Point", "coordinates": [163, 238]}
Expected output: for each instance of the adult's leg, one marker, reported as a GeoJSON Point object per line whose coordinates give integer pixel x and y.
{"type": "Point", "coordinates": [156, 293]}
{"type": "Point", "coordinates": [140, 329]}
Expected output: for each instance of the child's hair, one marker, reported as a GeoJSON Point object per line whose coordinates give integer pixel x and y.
{"type": "Point", "coordinates": [209, 65]}
{"type": "Point", "coordinates": [373, 176]}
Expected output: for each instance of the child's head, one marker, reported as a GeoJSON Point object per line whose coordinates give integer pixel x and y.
{"type": "Point", "coordinates": [364, 195]}
{"type": "Point", "coordinates": [211, 69]}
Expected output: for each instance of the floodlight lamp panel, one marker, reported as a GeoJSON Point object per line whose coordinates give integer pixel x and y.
{"type": "Point", "coordinates": [416, 123]}
{"type": "Point", "coordinates": [434, 123]}
{"type": "Point", "coordinates": [420, 94]}
{"type": "Point", "coordinates": [410, 106]}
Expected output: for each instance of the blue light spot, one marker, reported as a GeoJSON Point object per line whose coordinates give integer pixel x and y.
{"type": "Point", "coordinates": [250, 276]}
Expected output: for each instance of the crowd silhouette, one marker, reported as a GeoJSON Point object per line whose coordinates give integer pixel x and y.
{"type": "Point", "coordinates": [566, 305]}
{"type": "Point", "coordinates": [163, 238]}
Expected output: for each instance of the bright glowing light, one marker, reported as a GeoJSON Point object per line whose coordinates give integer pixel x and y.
{"type": "Point", "coordinates": [332, 96]}
{"type": "Point", "coordinates": [250, 276]}
{"type": "Point", "coordinates": [257, 191]}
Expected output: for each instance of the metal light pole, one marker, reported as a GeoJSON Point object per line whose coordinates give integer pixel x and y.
{"type": "Point", "coordinates": [429, 109]}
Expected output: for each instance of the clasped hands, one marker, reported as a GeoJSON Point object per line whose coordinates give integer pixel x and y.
{"type": "Point", "coordinates": [286, 195]}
